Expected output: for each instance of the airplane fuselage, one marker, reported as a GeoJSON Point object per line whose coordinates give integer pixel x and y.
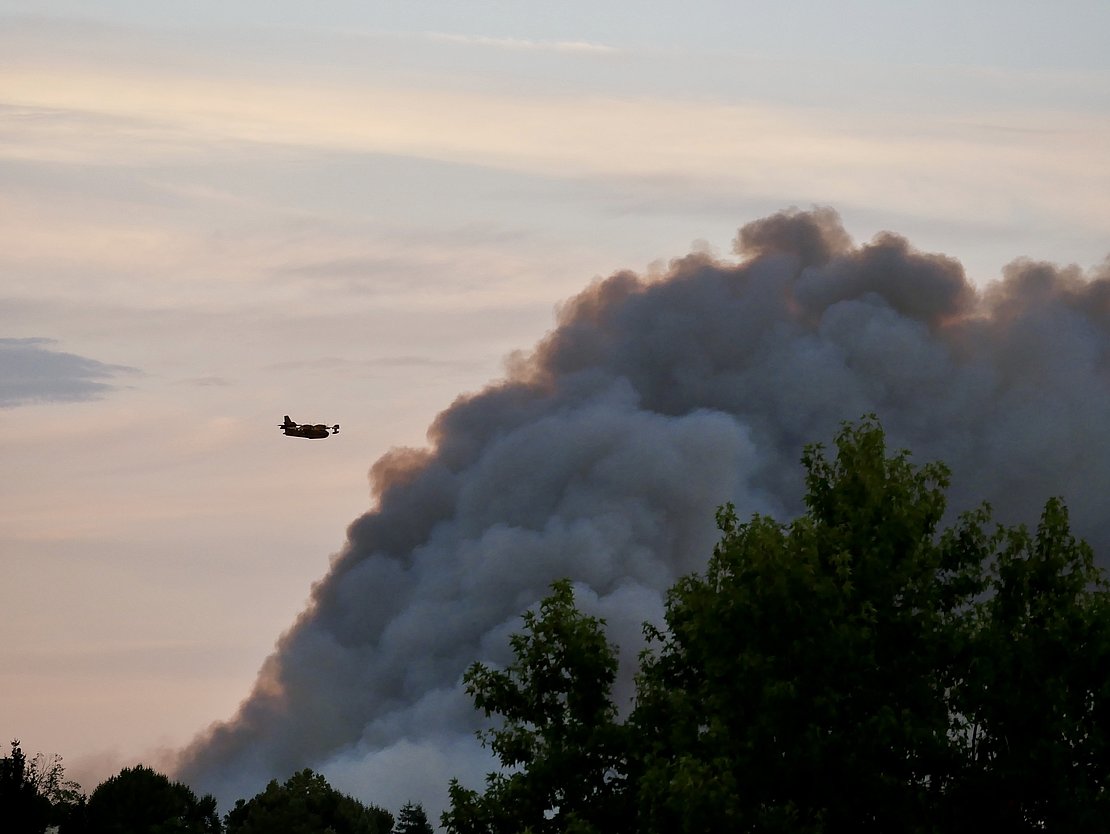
{"type": "Point", "coordinates": [312, 432]}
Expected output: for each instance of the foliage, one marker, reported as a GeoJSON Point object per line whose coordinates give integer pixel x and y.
{"type": "Point", "coordinates": [559, 742]}
{"type": "Point", "coordinates": [25, 809]}
{"type": "Point", "coordinates": [412, 820]}
{"type": "Point", "coordinates": [35, 793]}
{"type": "Point", "coordinates": [139, 800]}
{"type": "Point", "coordinates": [306, 804]}
{"type": "Point", "coordinates": [1033, 705]}
{"type": "Point", "coordinates": [801, 683]}
{"type": "Point", "coordinates": [855, 670]}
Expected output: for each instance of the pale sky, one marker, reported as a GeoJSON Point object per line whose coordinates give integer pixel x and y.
{"type": "Point", "coordinates": [213, 214]}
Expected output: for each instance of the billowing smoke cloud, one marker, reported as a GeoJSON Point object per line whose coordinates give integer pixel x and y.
{"type": "Point", "coordinates": [605, 452]}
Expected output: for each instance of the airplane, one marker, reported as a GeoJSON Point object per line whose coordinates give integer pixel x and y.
{"type": "Point", "coordinates": [316, 432]}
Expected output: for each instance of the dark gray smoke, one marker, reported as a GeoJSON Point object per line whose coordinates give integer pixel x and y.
{"type": "Point", "coordinates": [605, 452]}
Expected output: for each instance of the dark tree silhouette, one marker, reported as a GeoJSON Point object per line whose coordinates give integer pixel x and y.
{"type": "Point", "coordinates": [412, 820]}
{"type": "Point", "coordinates": [139, 799]}
{"type": "Point", "coordinates": [304, 804]}
{"type": "Point", "coordinates": [34, 793]}
{"type": "Point", "coordinates": [24, 808]}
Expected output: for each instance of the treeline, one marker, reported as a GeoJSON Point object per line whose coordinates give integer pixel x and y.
{"type": "Point", "coordinates": [36, 796]}
{"type": "Point", "coordinates": [858, 669]}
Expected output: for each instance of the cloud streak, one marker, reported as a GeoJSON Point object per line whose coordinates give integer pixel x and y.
{"type": "Point", "coordinates": [936, 161]}
{"type": "Point", "coordinates": [524, 44]}
{"type": "Point", "coordinates": [32, 372]}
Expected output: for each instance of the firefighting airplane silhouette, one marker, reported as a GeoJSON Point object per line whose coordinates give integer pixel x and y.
{"type": "Point", "coordinates": [316, 432]}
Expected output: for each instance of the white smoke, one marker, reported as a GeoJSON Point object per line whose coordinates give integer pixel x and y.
{"type": "Point", "coordinates": [605, 453]}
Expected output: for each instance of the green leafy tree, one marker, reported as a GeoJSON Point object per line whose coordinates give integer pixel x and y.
{"type": "Point", "coordinates": [1033, 706]}
{"type": "Point", "coordinates": [306, 804]}
{"type": "Point", "coordinates": [139, 800]}
{"type": "Point", "coordinates": [412, 820]}
{"type": "Point", "coordinates": [855, 670]}
{"type": "Point", "coordinates": [558, 740]}
{"type": "Point", "coordinates": [800, 684]}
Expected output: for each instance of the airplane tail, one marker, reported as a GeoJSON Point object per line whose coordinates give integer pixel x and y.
{"type": "Point", "coordinates": [289, 422]}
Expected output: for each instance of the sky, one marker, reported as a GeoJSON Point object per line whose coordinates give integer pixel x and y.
{"type": "Point", "coordinates": [214, 214]}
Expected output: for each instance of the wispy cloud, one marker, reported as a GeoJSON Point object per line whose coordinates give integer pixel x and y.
{"type": "Point", "coordinates": [208, 382]}
{"type": "Point", "coordinates": [904, 161]}
{"type": "Point", "coordinates": [524, 44]}
{"type": "Point", "coordinates": [382, 363]}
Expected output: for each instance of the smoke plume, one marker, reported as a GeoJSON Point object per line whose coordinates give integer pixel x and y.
{"type": "Point", "coordinates": [604, 453]}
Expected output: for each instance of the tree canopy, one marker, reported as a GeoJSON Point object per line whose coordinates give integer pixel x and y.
{"type": "Point", "coordinates": [140, 800]}
{"type": "Point", "coordinates": [306, 804]}
{"type": "Point", "coordinates": [856, 669]}
{"type": "Point", "coordinates": [412, 819]}
{"type": "Point", "coordinates": [35, 793]}
{"type": "Point", "coordinates": [558, 735]}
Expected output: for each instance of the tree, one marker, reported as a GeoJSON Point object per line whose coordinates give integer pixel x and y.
{"type": "Point", "coordinates": [800, 684]}
{"type": "Point", "coordinates": [139, 800]}
{"type": "Point", "coordinates": [1033, 705]}
{"type": "Point", "coordinates": [305, 804]}
{"type": "Point", "coordinates": [855, 670]}
{"type": "Point", "coordinates": [25, 809]}
{"type": "Point", "coordinates": [35, 793]}
{"type": "Point", "coordinates": [412, 820]}
{"type": "Point", "coordinates": [558, 740]}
